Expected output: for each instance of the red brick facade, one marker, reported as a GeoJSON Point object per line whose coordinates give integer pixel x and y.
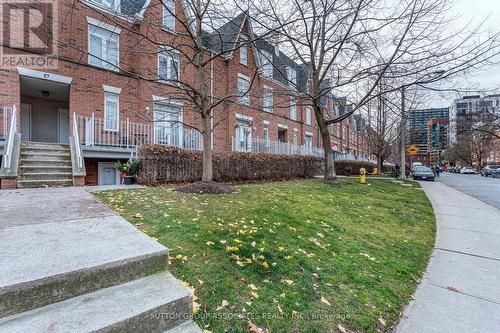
{"type": "Point", "coordinates": [86, 93]}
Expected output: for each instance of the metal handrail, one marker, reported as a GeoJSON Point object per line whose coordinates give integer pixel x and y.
{"type": "Point", "coordinates": [7, 159]}
{"type": "Point", "coordinates": [78, 147]}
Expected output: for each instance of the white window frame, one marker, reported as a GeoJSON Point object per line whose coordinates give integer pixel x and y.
{"type": "Point", "coordinates": [291, 74]}
{"type": "Point", "coordinates": [266, 62]}
{"type": "Point", "coordinates": [106, 5]}
{"type": "Point", "coordinates": [267, 100]}
{"type": "Point", "coordinates": [293, 109]}
{"type": "Point", "coordinates": [308, 115]}
{"type": "Point", "coordinates": [169, 53]}
{"type": "Point", "coordinates": [168, 102]}
{"type": "Point", "coordinates": [308, 141]}
{"type": "Point", "coordinates": [265, 133]}
{"type": "Point", "coordinates": [111, 94]}
{"type": "Point", "coordinates": [243, 51]}
{"type": "Point", "coordinates": [243, 99]}
{"type": "Point", "coordinates": [242, 123]}
{"type": "Point", "coordinates": [171, 5]}
{"type": "Point", "coordinates": [92, 30]}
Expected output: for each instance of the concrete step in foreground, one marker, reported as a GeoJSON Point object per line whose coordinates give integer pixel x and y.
{"type": "Point", "coordinates": [97, 274]}
{"type": "Point", "coordinates": [151, 304]}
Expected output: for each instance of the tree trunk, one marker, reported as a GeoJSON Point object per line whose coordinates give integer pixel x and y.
{"type": "Point", "coordinates": [207, 175]}
{"type": "Point", "coordinates": [327, 147]}
{"type": "Point", "coordinates": [380, 164]}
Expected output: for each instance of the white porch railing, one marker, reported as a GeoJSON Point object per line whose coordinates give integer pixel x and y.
{"type": "Point", "coordinates": [256, 145]}
{"type": "Point", "coordinates": [131, 134]}
{"type": "Point", "coordinates": [5, 114]}
{"type": "Point", "coordinates": [9, 144]}
{"type": "Point", "coordinates": [78, 147]}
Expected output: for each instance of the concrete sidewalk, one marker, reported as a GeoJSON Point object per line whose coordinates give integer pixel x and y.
{"type": "Point", "coordinates": [460, 292]}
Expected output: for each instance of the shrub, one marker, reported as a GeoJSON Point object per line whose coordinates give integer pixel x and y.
{"type": "Point", "coordinates": [171, 164]}
{"type": "Point", "coordinates": [347, 168]}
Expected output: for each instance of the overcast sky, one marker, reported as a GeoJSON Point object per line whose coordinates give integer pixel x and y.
{"type": "Point", "coordinates": [477, 11]}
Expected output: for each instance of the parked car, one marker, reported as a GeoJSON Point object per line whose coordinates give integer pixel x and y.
{"type": "Point", "coordinates": [467, 170]}
{"type": "Point", "coordinates": [496, 173]}
{"type": "Point", "coordinates": [489, 170]}
{"type": "Point", "coordinates": [423, 173]}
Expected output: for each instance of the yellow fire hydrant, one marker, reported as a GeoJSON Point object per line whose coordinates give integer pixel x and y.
{"type": "Point", "coordinates": [362, 176]}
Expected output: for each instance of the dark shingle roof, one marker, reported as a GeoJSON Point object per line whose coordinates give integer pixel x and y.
{"type": "Point", "coordinates": [224, 39]}
{"type": "Point", "coordinates": [131, 7]}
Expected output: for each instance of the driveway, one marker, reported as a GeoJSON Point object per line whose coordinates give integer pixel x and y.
{"type": "Point", "coordinates": [460, 292]}
{"type": "Point", "coordinates": [486, 189]}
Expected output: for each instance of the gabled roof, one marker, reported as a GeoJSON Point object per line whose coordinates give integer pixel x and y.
{"type": "Point", "coordinates": [224, 39]}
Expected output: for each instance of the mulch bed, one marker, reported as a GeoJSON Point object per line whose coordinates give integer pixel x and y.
{"type": "Point", "coordinates": [206, 188]}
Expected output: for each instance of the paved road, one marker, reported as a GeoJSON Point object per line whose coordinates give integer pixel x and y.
{"type": "Point", "coordinates": [460, 292]}
{"type": "Point", "coordinates": [486, 189]}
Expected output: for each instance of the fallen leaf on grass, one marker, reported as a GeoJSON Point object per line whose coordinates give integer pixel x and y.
{"type": "Point", "coordinates": [324, 300]}
{"type": "Point", "coordinates": [252, 328]}
{"type": "Point", "coordinates": [382, 322]}
{"type": "Point", "coordinates": [341, 328]}
{"type": "Point", "coordinates": [223, 305]}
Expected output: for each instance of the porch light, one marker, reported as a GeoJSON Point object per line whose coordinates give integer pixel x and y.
{"type": "Point", "coordinates": [147, 110]}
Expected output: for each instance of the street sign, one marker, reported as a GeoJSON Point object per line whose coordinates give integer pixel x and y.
{"type": "Point", "coordinates": [412, 150]}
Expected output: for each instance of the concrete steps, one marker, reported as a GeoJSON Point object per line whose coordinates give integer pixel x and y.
{"type": "Point", "coordinates": [94, 274]}
{"type": "Point", "coordinates": [44, 165]}
{"type": "Point", "coordinates": [151, 304]}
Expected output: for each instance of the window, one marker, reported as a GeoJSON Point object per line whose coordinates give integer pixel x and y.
{"type": "Point", "coordinates": [293, 109]}
{"type": "Point", "coordinates": [308, 115]}
{"type": "Point", "coordinates": [103, 47]}
{"type": "Point", "coordinates": [265, 134]}
{"type": "Point", "coordinates": [113, 4]}
{"type": "Point", "coordinates": [168, 66]}
{"type": "Point", "coordinates": [243, 51]}
{"type": "Point", "coordinates": [243, 136]}
{"type": "Point", "coordinates": [243, 87]}
{"type": "Point", "coordinates": [111, 111]}
{"type": "Point", "coordinates": [291, 74]}
{"type": "Point", "coordinates": [266, 65]}
{"type": "Point", "coordinates": [169, 14]}
{"type": "Point", "coordinates": [308, 142]}
{"type": "Point", "coordinates": [268, 100]}
{"type": "Point", "coordinates": [168, 126]}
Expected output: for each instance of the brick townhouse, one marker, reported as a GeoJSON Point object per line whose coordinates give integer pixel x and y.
{"type": "Point", "coordinates": [112, 90]}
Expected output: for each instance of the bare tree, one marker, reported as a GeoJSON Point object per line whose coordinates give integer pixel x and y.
{"type": "Point", "coordinates": [202, 32]}
{"type": "Point", "coordinates": [353, 45]}
{"type": "Point", "coordinates": [382, 131]}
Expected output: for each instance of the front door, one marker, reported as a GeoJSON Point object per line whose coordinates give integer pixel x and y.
{"type": "Point", "coordinates": [63, 125]}
{"type": "Point", "coordinates": [25, 122]}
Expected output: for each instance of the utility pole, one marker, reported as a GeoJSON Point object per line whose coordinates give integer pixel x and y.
{"type": "Point", "coordinates": [402, 134]}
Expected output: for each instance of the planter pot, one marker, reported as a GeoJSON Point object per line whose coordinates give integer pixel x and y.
{"type": "Point", "coordinates": [128, 180]}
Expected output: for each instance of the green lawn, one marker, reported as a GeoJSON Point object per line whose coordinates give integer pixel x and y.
{"type": "Point", "coordinates": [298, 256]}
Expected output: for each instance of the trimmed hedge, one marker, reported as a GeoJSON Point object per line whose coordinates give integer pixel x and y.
{"type": "Point", "coordinates": [171, 164]}
{"type": "Point", "coordinates": [351, 168]}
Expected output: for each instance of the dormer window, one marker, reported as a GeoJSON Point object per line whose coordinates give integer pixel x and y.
{"type": "Point", "coordinates": [111, 4]}
{"type": "Point", "coordinates": [291, 74]}
{"type": "Point", "coordinates": [169, 14]}
{"type": "Point", "coordinates": [243, 51]}
{"type": "Point", "coordinates": [266, 64]}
